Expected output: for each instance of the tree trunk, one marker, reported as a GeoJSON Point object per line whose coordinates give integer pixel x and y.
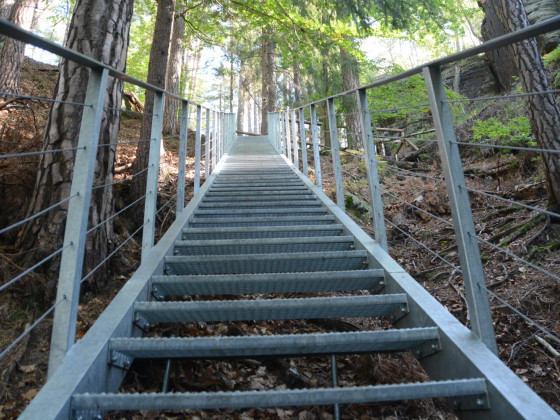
{"type": "Point", "coordinates": [298, 90]}
{"type": "Point", "coordinates": [104, 36]}
{"type": "Point", "coordinates": [170, 122]}
{"type": "Point", "coordinates": [268, 60]}
{"type": "Point", "coordinates": [157, 70]}
{"type": "Point", "coordinates": [493, 27]}
{"type": "Point", "coordinates": [13, 52]}
{"type": "Point", "coordinates": [241, 98]}
{"type": "Point", "coordinates": [544, 114]}
{"type": "Point", "coordinates": [350, 80]}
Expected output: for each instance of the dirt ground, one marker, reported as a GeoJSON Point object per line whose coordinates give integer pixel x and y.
{"type": "Point", "coordinates": [522, 347]}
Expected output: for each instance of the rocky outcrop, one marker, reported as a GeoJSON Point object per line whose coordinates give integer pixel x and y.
{"type": "Point", "coordinates": [539, 10]}
{"type": "Point", "coordinates": [471, 77]}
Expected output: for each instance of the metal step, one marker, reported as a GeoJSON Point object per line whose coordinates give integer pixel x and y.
{"type": "Point", "coordinates": [241, 284]}
{"type": "Point", "coordinates": [267, 263]}
{"type": "Point", "coordinates": [248, 190]}
{"type": "Point", "coordinates": [277, 345]}
{"type": "Point", "coordinates": [389, 306]}
{"type": "Point", "coordinates": [260, 221]}
{"type": "Point", "coordinates": [233, 198]}
{"type": "Point", "coordinates": [466, 393]}
{"type": "Point", "coordinates": [266, 212]}
{"type": "Point", "coordinates": [263, 246]}
{"type": "Point", "coordinates": [243, 184]}
{"type": "Point", "coordinates": [261, 204]}
{"type": "Point", "coordinates": [248, 195]}
{"type": "Point", "coordinates": [262, 232]}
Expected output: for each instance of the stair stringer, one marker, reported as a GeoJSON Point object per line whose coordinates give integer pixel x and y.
{"type": "Point", "coordinates": [85, 367]}
{"type": "Point", "coordinates": [462, 353]}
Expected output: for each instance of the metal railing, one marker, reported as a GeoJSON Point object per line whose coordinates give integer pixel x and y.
{"type": "Point", "coordinates": [218, 129]}
{"type": "Point", "coordinates": [289, 134]}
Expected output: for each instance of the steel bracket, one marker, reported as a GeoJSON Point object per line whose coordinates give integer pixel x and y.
{"type": "Point", "coordinates": [120, 360]}
{"type": "Point", "coordinates": [156, 293]}
{"type": "Point", "coordinates": [426, 349]}
{"type": "Point", "coordinates": [471, 402]}
{"type": "Point", "coordinates": [398, 313]}
{"type": "Point", "coordinates": [88, 415]}
{"type": "Point", "coordinates": [141, 322]}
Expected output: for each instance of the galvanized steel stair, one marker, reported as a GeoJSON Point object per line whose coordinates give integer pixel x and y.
{"type": "Point", "coordinates": [259, 230]}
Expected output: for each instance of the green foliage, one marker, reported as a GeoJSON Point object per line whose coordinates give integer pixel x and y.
{"type": "Point", "coordinates": [553, 59]}
{"type": "Point", "coordinates": [515, 132]}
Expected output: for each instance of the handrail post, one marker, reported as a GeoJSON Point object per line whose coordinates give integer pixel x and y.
{"type": "Point", "coordinates": [207, 146]}
{"type": "Point", "coordinates": [213, 140]}
{"type": "Point", "coordinates": [281, 132]}
{"type": "Point", "coordinates": [197, 147]}
{"type": "Point", "coordinates": [467, 244]}
{"type": "Point", "coordinates": [150, 206]}
{"type": "Point", "coordinates": [373, 173]}
{"type": "Point", "coordinates": [288, 134]}
{"type": "Point", "coordinates": [294, 138]}
{"type": "Point", "coordinates": [316, 156]}
{"type": "Point", "coordinates": [335, 149]}
{"type": "Point", "coordinates": [72, 259]}
{"type": "Point", "coordinates": [180, 205]}
{"type": "Point", "coordinates": [303, 142]}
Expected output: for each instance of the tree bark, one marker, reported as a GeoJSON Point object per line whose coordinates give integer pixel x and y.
{"type": "Point", "coordinates": [98, 29]}
{"type": "Point", "coordinates": [170, 122]}
{"type": "Point", "coordinates": [157, 71]}
{"type": "Point", "coordinates": [298, 89]}
{"type": "Point", "coordinates": [544, 114]}
{"type": "Point", "coordinates": [268, 60]}
{"type": "Point", "coordinates": [493, 27]}
{"type": "Point", "coordinates": [242, 98]}
{"type": "Point", "coordinates": [13, 52]}
{"type": "Point", "coordinates": [350, 80]}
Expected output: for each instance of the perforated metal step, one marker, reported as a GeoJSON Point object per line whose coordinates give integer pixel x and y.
{"type": "Point", "coordinates": [389, 306]}
{"type": "Point", "coordinates": [229, 284]}
{"type": "Point", "coordinates": [465, 392]}
{"type": "Point", "coordinates": [277, 345]}
{"type": "Point", "coordinates": [264, 246]}
{"type": "Point", "coordinates": [260, 221]}
{"type": "Point", "coordinates": [261, 204]}
{"type": "Point", "coordinates": [262, 232]}
{"type": "Point", "coordinates": [267, 212]}
{"type": "Point", "coordinates": [272, 263]}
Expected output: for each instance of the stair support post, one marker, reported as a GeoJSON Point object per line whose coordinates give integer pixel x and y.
{"type": "Point", "coordinates": [213, 140]}
{"type": "Point", "coordinates": [373, 173]}
{"type": "Point", "coordinates": [288, 135]}
{"type": "Point", "coordinates": [180, 205]}
{"type": "Point", "coordinates": [207, 145]}
{"type": "Point", "coordinates": [303, 142]}
{"type": "Point", "coordinates": [467, 244]}
{"type": "Point", "coordinates": [316, 155]}
{"type": "Point", "coordinates": [72, 259]}
{"type": "Point", "coordinates": [197, 148]}
{"type": "Point", "coordinates": [335, 149]}
{"type": "Point", "coordinates": [150, 206]}
{"type": "Point", "coordinates": [294, 138]}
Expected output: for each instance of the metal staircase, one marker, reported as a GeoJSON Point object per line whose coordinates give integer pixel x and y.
{"type": "Point", "coordinates": [259, 227]}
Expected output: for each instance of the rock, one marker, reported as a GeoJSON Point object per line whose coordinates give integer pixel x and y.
{"type": "Point", "coordinates": [539, 10]}
{"type": "Point", "coordinates": [471, 77]}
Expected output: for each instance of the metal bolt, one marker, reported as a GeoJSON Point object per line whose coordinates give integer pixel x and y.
{"type": "Point", "coordinates": [434, 346]}
{"type": "Point", "coordinates": [127, 363]}
{"type": "Point", "coordinates": [137, 317]}
{"type": "Point", "coordinates": [382, 283]}
{"type": "Point", "coordinates": [99, 417]}
{"type": "Point", "coordinates": [114, 357]}
{"type": "Point", "coordinates": [479, 402]}
{"type": "Point", "coordinates": [403, 309]}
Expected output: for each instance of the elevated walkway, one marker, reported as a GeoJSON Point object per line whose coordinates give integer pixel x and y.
{"type": "Point", "coordinates": [258, 226]}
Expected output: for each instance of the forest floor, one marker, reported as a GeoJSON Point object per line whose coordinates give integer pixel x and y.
{"type": "Point", "coordinates": [522, 347]}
